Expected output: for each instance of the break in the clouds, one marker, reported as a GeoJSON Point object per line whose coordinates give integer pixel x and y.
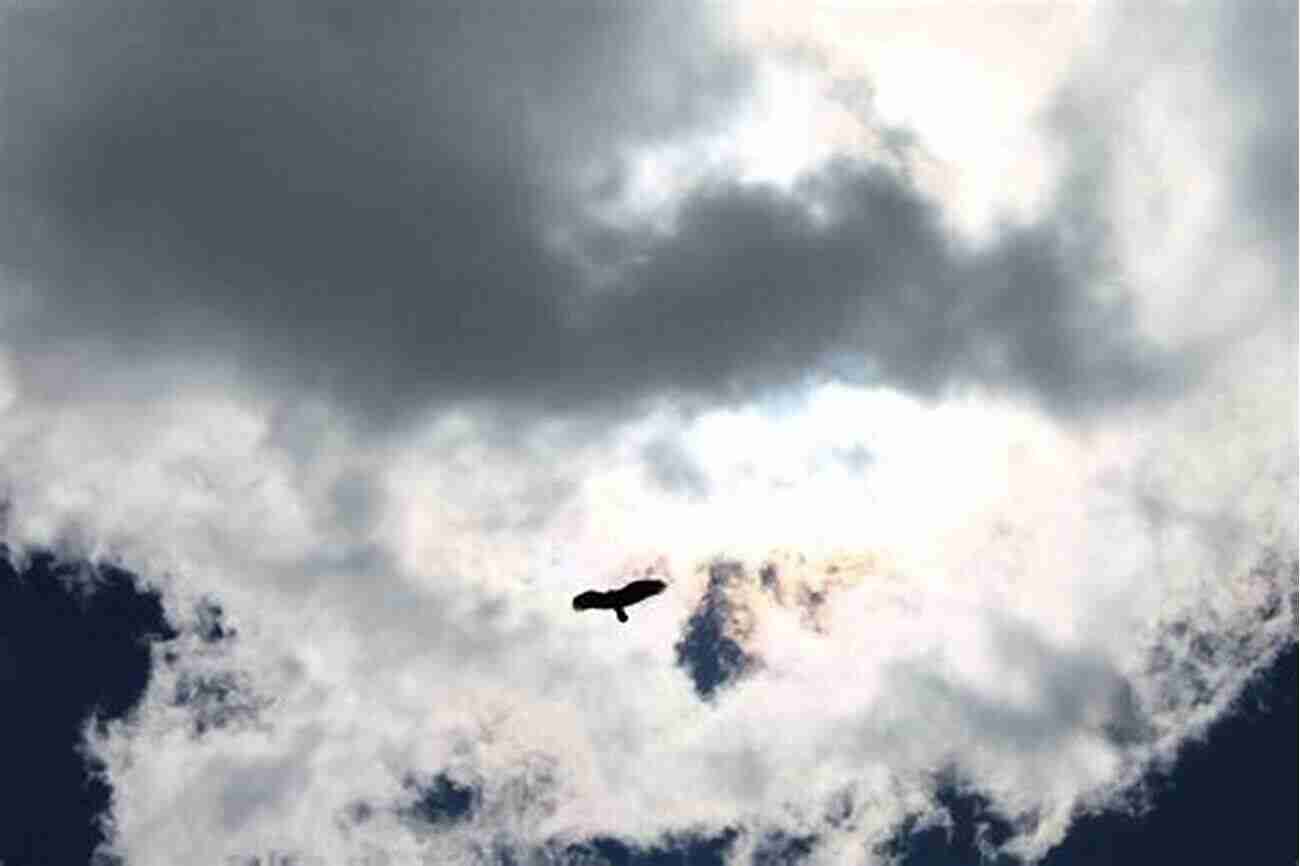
{"type": "Point", "coordinates": [369, 336]}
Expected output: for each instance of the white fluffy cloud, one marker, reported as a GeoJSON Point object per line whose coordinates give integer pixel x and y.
{"type": "Point", "coordinates": [1045, 614]}
{"type": "Point", "coordinates": [961, 584]}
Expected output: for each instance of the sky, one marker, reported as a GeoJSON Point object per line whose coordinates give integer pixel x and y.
{"type": "Point", "coordinates": [940, 357]}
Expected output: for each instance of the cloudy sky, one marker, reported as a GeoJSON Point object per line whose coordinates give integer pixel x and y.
{"type": "Point", "coordinates": [940, 356]}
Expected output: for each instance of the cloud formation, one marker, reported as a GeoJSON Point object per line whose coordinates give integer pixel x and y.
{"type": "Point", "coordinates": [1047, 525]}
{"type": "Point", "coordinates": [370, 203]}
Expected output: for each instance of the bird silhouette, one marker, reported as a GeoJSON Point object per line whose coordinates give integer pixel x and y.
{"type": "Point", "coordinates": [618, 599]}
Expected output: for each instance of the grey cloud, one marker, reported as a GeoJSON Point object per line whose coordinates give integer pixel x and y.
{"type": "Point", "coordinates": [210, 622]}
{"type": "Point", "coordinates": [251, 786]}
{"type": "Point", "coordinates": [1257, 62]}
{"type": "Point", "coordinates": [357, 501]}
{"type": "Point", "coordinates": [752, 290]}
{"type": "Point", "coordinates": [1073, 691]}
{"type": "Point", "coordinates": [856, 458]}
{"type": "Point", "coordinates": [669, 466]}
{"type": "Point", "coordinates": [350, 198]}
{"type": "Point", "coordinates": [1247, 52]}
{"type": "Point", "coordinates": [355, 201]}
{"type": "Point", "coordinates": [217, 701]}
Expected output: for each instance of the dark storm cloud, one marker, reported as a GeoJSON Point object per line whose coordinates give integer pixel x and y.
{"type": "Point", "coordinates": [754, 288]}
{"type": "Point", "coordinates": [351, 194]}
{"type": "Point", "coordinates": [354, 199]}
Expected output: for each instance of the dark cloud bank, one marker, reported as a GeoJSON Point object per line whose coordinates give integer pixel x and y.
{"type": "Point", "coordinates": [357, 200]}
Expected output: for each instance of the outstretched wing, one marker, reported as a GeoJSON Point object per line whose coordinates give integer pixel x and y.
{"type": "Point", "coordinates": [589, 599]}
{"type": "Point", "coordinates": [640, 590]}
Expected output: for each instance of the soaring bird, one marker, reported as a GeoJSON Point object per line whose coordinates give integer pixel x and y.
{"type": "Point", "coordinates": [617, 599]}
